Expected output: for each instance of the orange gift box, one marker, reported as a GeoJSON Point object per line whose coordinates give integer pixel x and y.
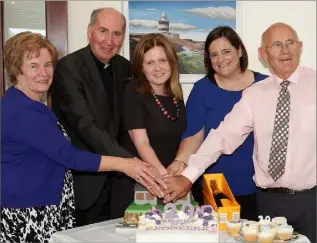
{"type": "Point", "coordinates": [230, 209]}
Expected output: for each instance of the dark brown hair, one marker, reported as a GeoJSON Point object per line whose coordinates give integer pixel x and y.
{"type": "Point", "coordinates": [228, 33]}
{"type": "Point", "coordinates": [147, 42]}
{"type": "Point", "coordinates": [21, 45]}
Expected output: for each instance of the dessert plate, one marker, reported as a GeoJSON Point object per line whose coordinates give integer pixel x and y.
{"type": "Point", "coordinates": [239, 238]}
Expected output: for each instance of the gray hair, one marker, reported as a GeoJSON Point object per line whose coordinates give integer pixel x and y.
{"type": "Point", "coordinates": [94, 14]}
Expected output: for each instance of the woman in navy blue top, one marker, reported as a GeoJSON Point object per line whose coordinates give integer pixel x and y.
{"type": "Point", "coordinates": [37, 195]}
{"type": "Point", "coordinates": [213, 97]}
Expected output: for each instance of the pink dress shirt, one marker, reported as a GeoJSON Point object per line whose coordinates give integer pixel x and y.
{"type": "Point", "coordinates": [256, 112]}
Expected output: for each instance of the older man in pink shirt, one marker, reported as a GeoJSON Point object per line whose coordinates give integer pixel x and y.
{"type": "Point", "coordinates": [281, 110]}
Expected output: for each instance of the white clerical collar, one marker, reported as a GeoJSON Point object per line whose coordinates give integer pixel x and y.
{"type": "Point", "coordinates": [106, 65]}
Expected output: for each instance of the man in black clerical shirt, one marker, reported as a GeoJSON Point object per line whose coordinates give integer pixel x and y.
{"type": "Point", "coordinates": [86, 98]}
{"type": "Point", "coordinates": [105, 71]}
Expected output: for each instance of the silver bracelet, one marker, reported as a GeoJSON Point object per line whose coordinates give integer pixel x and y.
{"type": "Point", "coordinates": [177, 160]}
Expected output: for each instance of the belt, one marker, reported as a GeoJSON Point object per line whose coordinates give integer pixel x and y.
{"type": "Point", "coordinates": [284, 190]}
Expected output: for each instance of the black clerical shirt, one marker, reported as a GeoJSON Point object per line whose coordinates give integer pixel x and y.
{"type": "Point", "coordinates": [106, 75]}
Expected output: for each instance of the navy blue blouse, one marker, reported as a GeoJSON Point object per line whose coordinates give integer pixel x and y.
{"type": "Point", "coordinates": [35, 153]}
{"type": "Point", "coordinates": [207, 105]}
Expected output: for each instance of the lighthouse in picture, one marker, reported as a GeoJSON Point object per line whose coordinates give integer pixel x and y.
{"type": "Point", "coordinates": [163, 24]}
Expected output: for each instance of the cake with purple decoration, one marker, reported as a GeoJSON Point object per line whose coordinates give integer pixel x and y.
{"type": "Point", "coordinates": [144, 200]}
{"type": "Point", "coordinates": [182, 221]}
{"type": "Point", "coordinates": [190, 224]}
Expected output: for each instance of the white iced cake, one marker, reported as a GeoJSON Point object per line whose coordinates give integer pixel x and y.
{"type": "Point", "coordinates": [190, 224]}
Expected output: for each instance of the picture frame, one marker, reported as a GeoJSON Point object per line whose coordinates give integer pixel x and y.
{"type": "Point", "coordinates": [188, 79]}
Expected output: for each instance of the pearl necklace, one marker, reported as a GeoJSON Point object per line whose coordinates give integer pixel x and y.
{"type": "Point", "coordinates": [164, 111]}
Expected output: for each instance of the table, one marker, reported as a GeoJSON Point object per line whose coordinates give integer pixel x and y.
{"type": "Point", "coordinates": [105, 232]}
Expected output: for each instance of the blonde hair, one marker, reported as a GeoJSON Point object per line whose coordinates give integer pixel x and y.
{"type": "Point", "coordinates": [21, 45]}
{"type": "Point", "coordinates": [173, 87]}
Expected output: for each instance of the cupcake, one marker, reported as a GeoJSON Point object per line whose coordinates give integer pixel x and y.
{"type": "Point", "coordinates": [233, 227]}
{"type": "Point", "coordinates": [250, 223]}
{"type": "Point", "coordinates": [285, 232]}
{"type": "Point", "coordinates": [279, 220]}
{"type": "Point", "coordinates": [249, 233]}
{"type": "Point", "coordinates": [266, 236]}
{"type": "Point", "coordinates": [266, 228]}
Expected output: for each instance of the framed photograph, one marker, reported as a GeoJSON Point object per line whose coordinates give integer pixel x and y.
{"type": "Point", "coordinates": [185, 23]}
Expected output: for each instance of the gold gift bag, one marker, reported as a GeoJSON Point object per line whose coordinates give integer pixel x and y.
{"type": "Point", "coordinates": [230, 209]}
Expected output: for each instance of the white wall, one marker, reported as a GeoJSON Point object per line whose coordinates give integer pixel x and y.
{"type": "Point", "coordinates": [253, 17]}
{"type": "Point", "coordinates": [259, 15]}
{"type": "Point", "coordinates": [78, 19]}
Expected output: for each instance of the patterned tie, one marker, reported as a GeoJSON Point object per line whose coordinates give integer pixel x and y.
{"type": "Point", "coordinates": [280, 134]}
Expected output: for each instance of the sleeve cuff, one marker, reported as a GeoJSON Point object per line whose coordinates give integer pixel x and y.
{"type": "Point", "coordinates": [96, 162]}
{"type": "Point", "coordinates": [87, 161]}
{"type": "Point", "coordinates": [192, 173]}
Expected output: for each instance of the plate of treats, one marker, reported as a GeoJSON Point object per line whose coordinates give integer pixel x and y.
{"type": "Point", "coordinates": [264, 231]}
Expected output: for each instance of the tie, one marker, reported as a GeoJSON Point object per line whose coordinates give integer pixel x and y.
{"type": "Point", "coordinates": [280, 134]}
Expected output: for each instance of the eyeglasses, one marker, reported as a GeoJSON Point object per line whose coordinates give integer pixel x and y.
{"type": "Point", "coordinates": [278, 45]}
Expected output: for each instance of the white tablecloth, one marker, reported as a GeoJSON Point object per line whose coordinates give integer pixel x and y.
{"type": "Point", "coordinates": [105, 232]}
